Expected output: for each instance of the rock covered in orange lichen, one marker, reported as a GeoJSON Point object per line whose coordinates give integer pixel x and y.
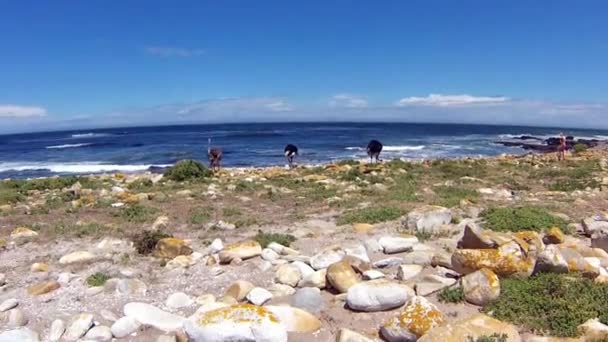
{"type": "Point", "coordinates": [241, 322]}
{"type": "Point", "coordinates": [418, 316]}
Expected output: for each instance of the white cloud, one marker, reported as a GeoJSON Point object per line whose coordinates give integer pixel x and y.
{"type": "Point", "coordinates": [348, 101]}
{"type": "Point", "coordinates": [15, 111]}
{"type": "Point", "coordinates": [172, 51]}
{"type": "Point", "coordinates": [279, 106]}
{"type": "Point", "coordinates": [440, 100]}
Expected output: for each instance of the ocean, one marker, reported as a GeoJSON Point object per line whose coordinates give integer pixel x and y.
{"type": "Point", "coordinates": [136, 149]}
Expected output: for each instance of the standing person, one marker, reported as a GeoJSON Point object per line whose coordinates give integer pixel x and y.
{"type": "Point", "coordinates": [561, 153]}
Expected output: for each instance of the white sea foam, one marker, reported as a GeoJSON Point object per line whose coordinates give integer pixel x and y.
{"type": "Point", "coordinates": [90, 135]}
{"type": "Point", "coordinates": [390, 148]}
{"type": "Point", "coordinates": [59, 147]}
{"type": "Point", "coordinates": [83, 167]}
{"type": "Point", "coordinates": [403, 148]}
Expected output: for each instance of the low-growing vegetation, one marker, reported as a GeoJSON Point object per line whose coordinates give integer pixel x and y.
{"type": "Point", "coordinates": [370, 215]}
{"type": "Point", "coordinates": [137, 213]}
{"type": "Point", "coordinates": [579, 148]}
{"type": "Point", "coordinates": [200, 216]}
{"type": "Point", "coordinates": [451, 196]}
{"type": "Point", "coordinates": [551, 304]}
{"type": "Point", "coordinates": [97, 279]}
{"type": "Point", "coordinates": [145, 241]}
{"type": "Point", "coordinates": [187, 170]}
{"type": "Point", "coordinates": [521, 218]}
{"type": "Point", "coordinates": [266, 238]}
{"type": "Point", "coordinates": [453, 294]}
{"type": "Point", "coordinates": [141, 185]}
{"type": "Point", "coordinates": [490, 338]}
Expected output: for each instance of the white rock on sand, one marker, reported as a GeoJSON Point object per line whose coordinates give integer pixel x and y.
{"type": "Point", "coordinates": [78, 327]}
{"type": "Point", "coordinates": [57, 330]}
{"type": "Point", "coordinates": [19, 335]}
{"type": "Point", "coordinates": [77, 257]}
{"type": "Point", "coordinates": [124, 327]}
{"type": "Point", "coordinates": [150, 315]}
{"type": "Point", "coordinates": [392, 244]}
{"type": "Point", "coordinates": [259, 296]}
{"type": "Point", "coordinates": [377, 295]}
{"type": "Point", "coordinates": [242, 322]}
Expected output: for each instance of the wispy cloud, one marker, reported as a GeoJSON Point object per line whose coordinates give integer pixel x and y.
{"type": "Point", "coordinates": [440, 100]}
{"type": "Point", "coordinates": [348, 101]}
{"type": "Point", "coordinates": [16, 111]}
{"type": "Point", "coordinates": [172, 51]}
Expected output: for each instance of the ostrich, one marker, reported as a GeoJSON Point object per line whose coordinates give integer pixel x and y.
{"type": "Point", "coordinates": [291, 151]}
{"type": "Point", "coordinates": [373, 150]}
{"type": "Point", "coordinates": [215, 156]}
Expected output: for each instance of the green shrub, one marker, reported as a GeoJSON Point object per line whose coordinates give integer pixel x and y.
{"type": "Point", "coordinates": [350, 162]}
{"type": "Point", "coordinates": [549, 303]}
{"type": "Point", "coordinates": [266, 238]}
{"type": "Point", "coordinates": [187, 170]}
{"type": "Point", "coordinates": [521, 218]}
{"type": "Point", "coordinates": [145, 241]}
{"type": "Point", "coordinates": [199, 216]}
{"type": "Point", "coordinates": [351, 175]}
{"type": "Point", "coordinates": [580, 148]}
{"type": "Point", "coordinates": [404, 188]}
{"type": "Point", "coordinates": [490, 338]}
{"type": "Point", "coordinates": [231, 212]}
{"type": "Point", "coordinates": [141, 185]}
{"type": "Point", "coordinates": [137, 213]}
{"type": "Point", "coordinates": [370, 215]}
{"type": "Point", "coordinates": [450, 196]}
{"type": "Point", "coordinates": [451, 295]}
{"type": "Point", "coordinates": [10, 196]}
{"type": "Point", "coordinates": [97, 279]}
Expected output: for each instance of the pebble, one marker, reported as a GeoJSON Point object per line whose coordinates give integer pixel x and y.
{"type": "Point", "coordinates": [388, 262]}
{"type": "Point", "coordinates": [150, 315]}
{"type": "Point", "coordinates": [377, 295]}
{"type": "Point", "coordinates": [108, 315]}
{"type": "Point", "coordinates": [373, 274]}
{"type": "Point", "coordinates": [288, 275]}
{"type": "Point", "coordinates": [270, 255]}
{"type": "Point", "coordinates": [309, 299]}
{"type": "Point", "coordinates": [99, 333]}
{"type": "Point", "coordinates": [57, 330]}
{"type": "Point", "coordinates": [16, 318]}
{"type": "Point", "coordinates": [259, 296]}
{"type": "Point", "coordinates": [19, 335]}
{"type": "Point", "coordinates": [124, 327]}
{"type": "Point", "coordinates": [77, 257]}
{"type": "Point", "coordinates": [407, 272]}
{"type": "Point", "coordinates": [78, 327]}
{"type": "Point", "coordinates": [391, 244]}
{"type": "Point", "coordinates": [8, 304]}
{"type": "Point", "coordinates": [178, 300]}
{"type": "Point", "coordinates": [280, 290]}
{"type": "Point", "coordinates": [216, 246]}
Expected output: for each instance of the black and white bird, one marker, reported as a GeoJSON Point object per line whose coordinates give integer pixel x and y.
{"type": "Point", "coordinates": [291, 151]}
{"type": "Point", "coordinates": [373, 150]}
{"type": "Point", "coordinates": [215, 155]}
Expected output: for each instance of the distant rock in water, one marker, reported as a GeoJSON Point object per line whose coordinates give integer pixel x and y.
{"type": "Point", "coordinates": [547, 145]}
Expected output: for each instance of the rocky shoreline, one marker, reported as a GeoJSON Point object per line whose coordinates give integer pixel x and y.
{"type": "Point", "coordinates": [423, 251]}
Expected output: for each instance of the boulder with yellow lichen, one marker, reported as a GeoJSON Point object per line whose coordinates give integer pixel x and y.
{"type": "Point", "coordinates": [554, 236]}
{"type": "Point", "coordinates": [241, 250]}
{"type": "Point", "coordinates": [481, 287]}
{"type": "Point", "coordinates": [169, 248]}
{"type": "Point", "coordinates": [417, 318]}
{"type": "Point", "coordinates": [472, 328]}
{"type": "Point", "coordinates": [506, 261]}
{"type": "Point", "coordinates": [241, 322]}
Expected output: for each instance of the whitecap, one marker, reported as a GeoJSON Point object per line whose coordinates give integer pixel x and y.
{"type": "Point", "coordinates": [59, 147]}
{"type": "Point", "coordinates": [78, 168]}
{"type": "Point", "coordinates": [90, 135]}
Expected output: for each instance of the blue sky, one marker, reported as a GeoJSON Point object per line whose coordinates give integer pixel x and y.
{"type": "Point", "coordinates": [75, 63]}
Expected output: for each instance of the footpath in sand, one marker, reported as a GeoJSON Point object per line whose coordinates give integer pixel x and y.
{"type": "Point", "coordinates": [501, 249]}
